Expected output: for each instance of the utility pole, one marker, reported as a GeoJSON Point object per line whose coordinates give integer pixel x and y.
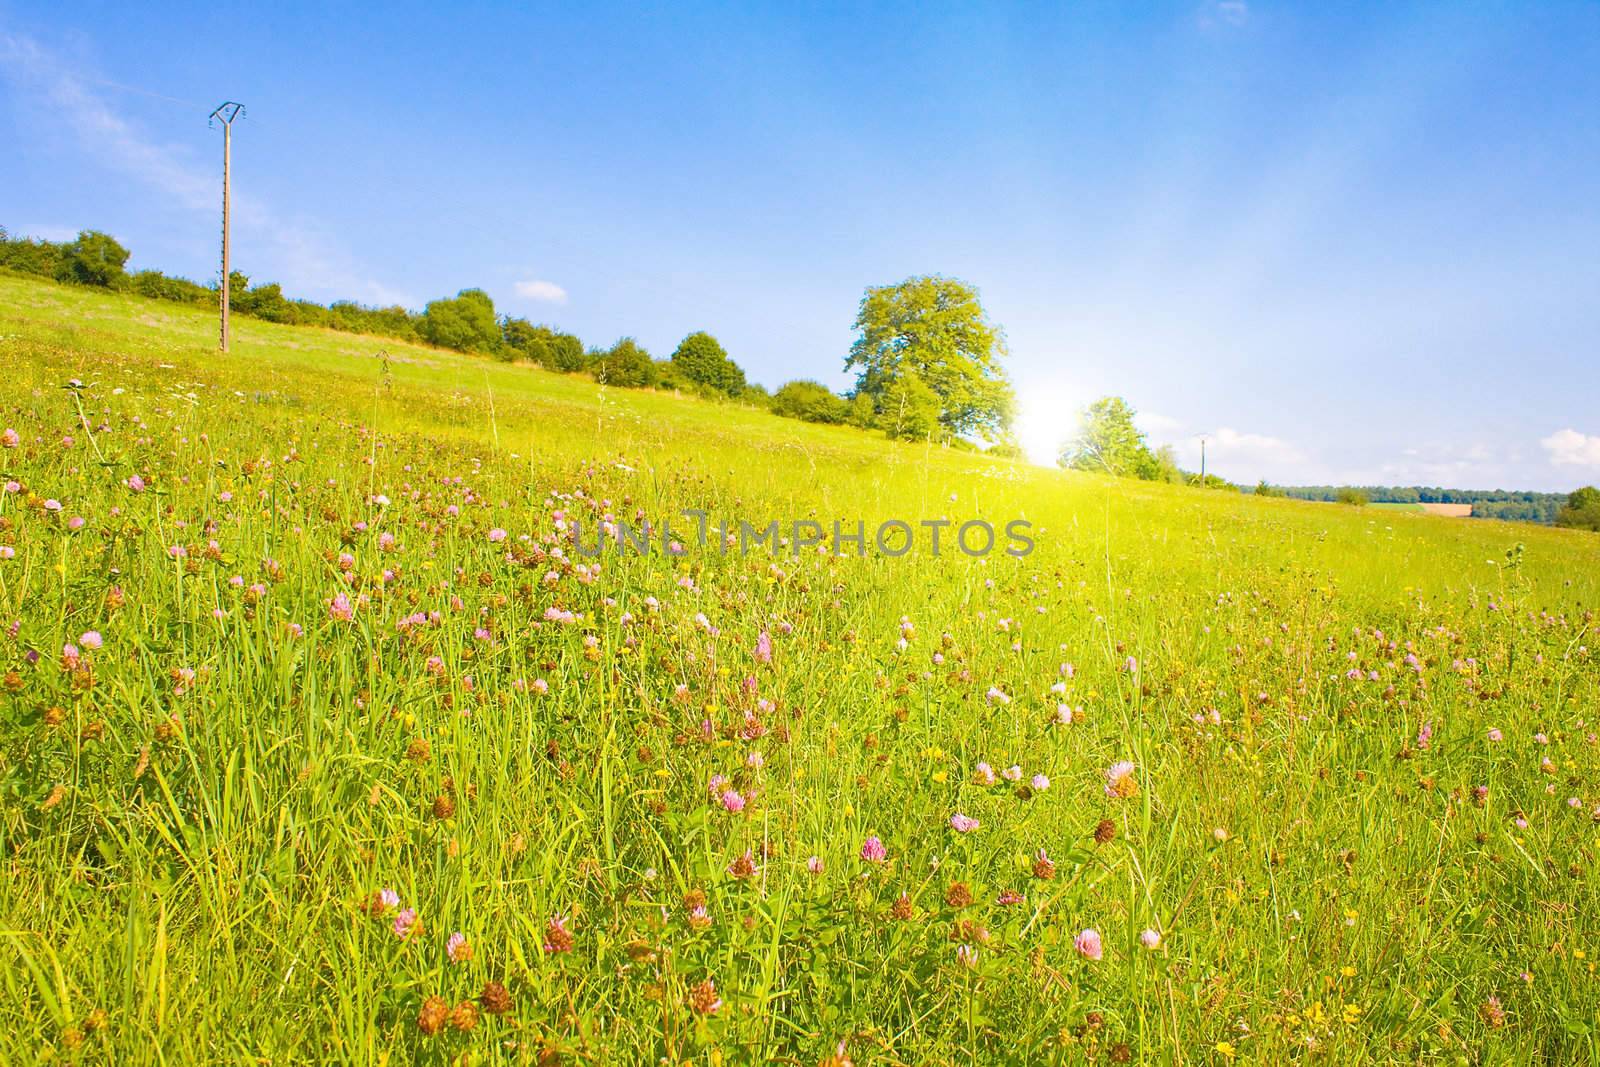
{"type": "Point", "coordinates": [225, 114]}
{"type": "Point", "coordinates": [1203, 438]}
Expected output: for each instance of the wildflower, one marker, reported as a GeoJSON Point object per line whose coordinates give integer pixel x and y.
{"type": "Point", "coordinates": [1120, 782]}
{"type": "Point", "coordinates": [464, 1016]}
{"type": "Point", "coordinates": [431, 1017]}
{"type": "Point", "coordinates": [1012, 773]}
{"type": "Point", "coordinates": [764, 648]}
{"type": "Point", "coordinates": [1425, 737]}
{"type": "Point", "coordinates": [1088, 944]}
{"type": "Point", "coordinates": [10, 438]}
{"type": "Point", "coordinates": [1040, 783]}
{"type": "Point", "coordinates": [902, 909]}
{"type": "Point", "coordinates": [958, 896]}
{"type": "Point", "coordinates": [339, 609]}
{"type": "Point", "coordinates": [984, 774]}
{"type": "Point", "coordinates": [1495, 734]}
{"type": "Point", "coordinates": [966, 955]}
{"type": "Point", "coordinates": [703, 999]}
{"type": "Point", "coordinates": [814, 865]}
{"type": "Point", "coordinates": [963, 824]}
{"type": "Point", "coordinates": [497, 535]}
{"type": "Point", "coordinates": [458, 948]}
{"type": "Point", "coordinates": [1044, 868]}
{"type": "Point", "coordinates": [872, 850]}
{"type": "Point", "coordinates": [732, 800]}
{"type": "Point", "coordinates": [494, 998]}
{"type": "Point", "coordinates": [557, 938]}
{"type": "Point", "coordinates": [406, 924]}
{"type": "Point", "coordinates": [744, 866]}
{"type": "Point", "coordinates": [996, 695]}
{"type": "Point", "coordinates": [1104, 831]}
{"type": "Point", "coordinates": [1150, 939]}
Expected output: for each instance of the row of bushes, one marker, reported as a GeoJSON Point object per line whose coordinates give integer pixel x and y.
{"type": "Point", "coordinates": [468, 322]}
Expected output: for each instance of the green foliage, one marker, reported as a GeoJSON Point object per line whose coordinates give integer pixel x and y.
{"type": "Point", "coordinates": [910, 409]}
{"type": "Point", "coordinates": [936, 329]}
{"type": "Point", "coordinates": [704, 362]}
{"type": "Point", "coordinates": [397, 322]}
{"type": "Point", "coordinates": [1263, 489]}
{"type": "Point", "coordinates": [466, 323]}
{"type": "Point", "coordinates": [27, 256]}
{"type": "Point", "coordinates": [544, 345]}
{"type": "Point", "coordinates": [1351, 496]}
{"type": "Point", "coordinates": [95, 258]}
{"type": "Point", "coordinates": [809, 401]}
{"type": "Point", "coordinates": [1507, 504]}
{"type": "Point", "coordinates": [1109, 442]}
{"type": "Point", "coordinates": [1582, 509]}
{"type": "Point", "coordinates": [625, 364]}
{"type": "Point", "coordinates": [158, 286]}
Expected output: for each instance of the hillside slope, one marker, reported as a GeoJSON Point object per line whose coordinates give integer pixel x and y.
{"type": "Point", "coordinates": [1317, 779]}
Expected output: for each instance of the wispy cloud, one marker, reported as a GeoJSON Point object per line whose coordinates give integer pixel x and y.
{"type": "Point", "coordinates": [1569, 448]}
{"type": "Point", "coordinates": [303, 260]}
{"type": "Point", "coordinates": [545, 292]}
{"type": "Point", "coordinates": [1224, 13]}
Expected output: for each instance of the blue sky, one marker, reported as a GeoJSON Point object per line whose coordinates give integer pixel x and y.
{"type": "Point", "coordinates": [1351, 243]}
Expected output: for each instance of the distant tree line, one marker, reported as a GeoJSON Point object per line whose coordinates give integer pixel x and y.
{"type": "Point", "coordinates": [466, 322]}
{"type": "Point", "coordinates": [1486, 503]}
{"type": "Point", "coordinates": [927, 359]}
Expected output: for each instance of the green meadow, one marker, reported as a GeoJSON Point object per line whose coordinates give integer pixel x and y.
{"type": "Point", "coordinates": [323, 740]}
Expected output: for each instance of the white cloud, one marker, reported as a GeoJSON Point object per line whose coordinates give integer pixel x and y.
{"type": "Point", "coordinates": [1569, 448]}
{"type": "Point", "coordinates": [300, 258]}
{"type": "Point", "coordinates": [1228, 443]}
{"type": "Point", "coordinates": [546, 292]}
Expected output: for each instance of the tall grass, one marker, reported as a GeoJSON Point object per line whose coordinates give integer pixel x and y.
{"type": "Point", "coordinates": [1333, 859]}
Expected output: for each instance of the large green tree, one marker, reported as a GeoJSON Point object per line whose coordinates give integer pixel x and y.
{"type": "Point", "coordinates": [1108, 441]}
{"type": "Point", "coordinates": [95, 258]}
{"type": "Point", "coordinates": [701, 359]}
{"type": "Point", "coordinates": [934, 328]}
{"type": "Point", "coordinates": [1582, 510]}
{"type": "Point", "coordinates": [467, 323]}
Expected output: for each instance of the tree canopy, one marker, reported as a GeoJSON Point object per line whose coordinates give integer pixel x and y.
{"type": "Point", "coordinates": [466, 323]}
{"type": "Point", "coordinates": [809, 401]}
{"type": "Point", "coordinates": [625, 364]}
{"type": "Point", "coordinates": [935, 329]}
{"type": "Point", "coordinates": [95, 258]}
{"type": "Point", "coordinates": [1582, 509]}
{"type": "Point", "coordinates": [1107, 440]}
{"type": "Point", "coordinates": [702, 360]}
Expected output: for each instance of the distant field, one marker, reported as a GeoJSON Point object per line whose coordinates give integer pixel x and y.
{"type": "Point", "coordinates": [320, 741]}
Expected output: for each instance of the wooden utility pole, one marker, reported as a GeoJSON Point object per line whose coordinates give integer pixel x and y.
{"type": "Point", "coordinates": [225, 114]}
